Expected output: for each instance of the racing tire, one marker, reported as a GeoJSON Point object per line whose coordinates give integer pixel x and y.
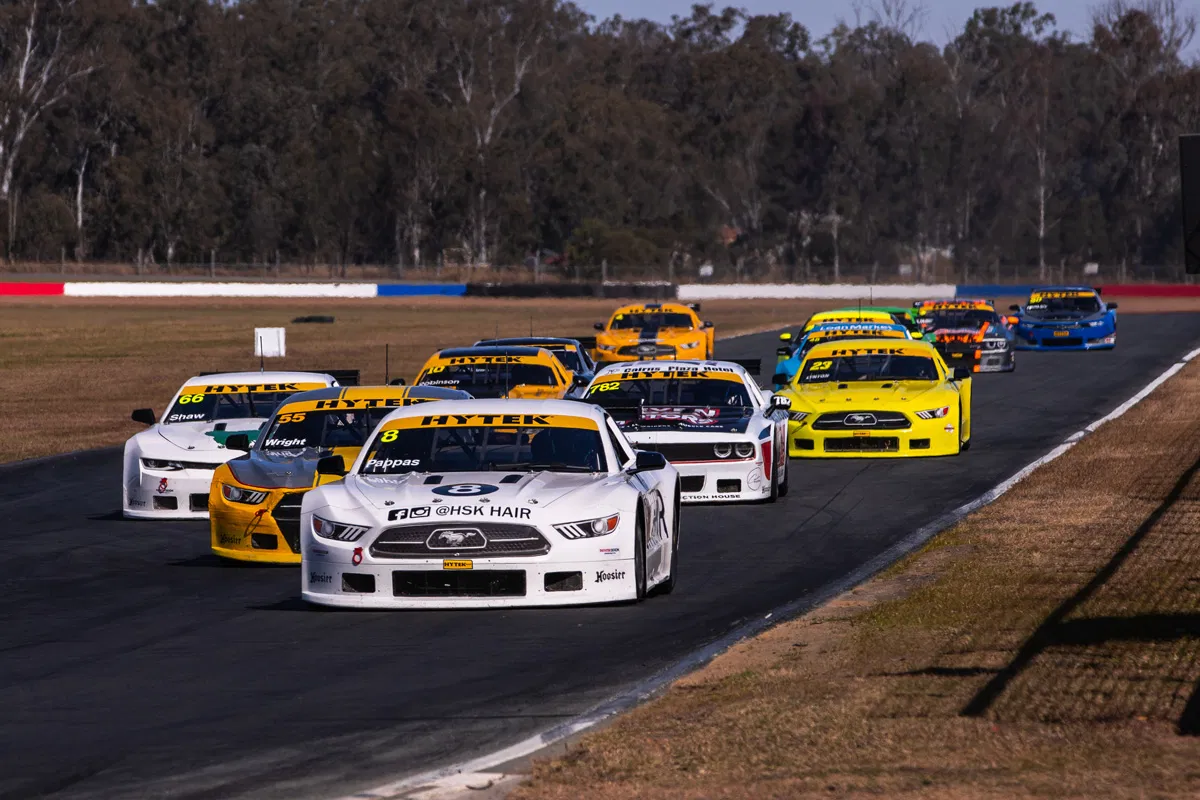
{"type": "Point", "coordinates": [783, 484]}
{"type": "Point", "coordinates": [668, 585]}
{"type": "Point", "coordinates": [639, 559]}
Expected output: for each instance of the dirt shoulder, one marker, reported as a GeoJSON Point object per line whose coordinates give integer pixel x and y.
{"type": "Point", "coordinates": [72, 369]}
{"type": "Point", "coordinates": [1048, 645]}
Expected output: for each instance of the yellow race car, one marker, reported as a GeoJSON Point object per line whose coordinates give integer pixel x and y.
{"type": "Point", "coordinates": [873, 398]}
{"type": "Point", "coordinates": [530, 373]}
{"type": "Point", "coordinates": [254, 501]}
{"type": "Point", "coordinates": [654, 332]}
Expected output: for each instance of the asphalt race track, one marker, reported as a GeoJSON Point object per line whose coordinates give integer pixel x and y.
{"type": "Point", "coordinates": [133, 663]}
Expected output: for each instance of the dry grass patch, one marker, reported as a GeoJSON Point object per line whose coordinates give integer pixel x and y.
{"type": "Point", "coordinates": [73, 369]}
{"type": "Point", "coordinates": [1048, 646]}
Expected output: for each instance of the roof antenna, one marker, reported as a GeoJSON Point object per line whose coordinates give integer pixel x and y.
{"type": "Point", "coordinates": [262, 360]}
{"type": "Point", "coordinates": [531, 325]}
{"type": "Point", "coordinates": [387, 363]}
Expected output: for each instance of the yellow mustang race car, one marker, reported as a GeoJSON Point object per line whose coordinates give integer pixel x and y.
{"type": "Point", "coordinates": [654, 332]}
{"type": "Point", "coordinates": [869, 397]}
{"type": "Point", "coordinates": [530, 373]}
{"type": "Point", "coordinates": [254, 502]}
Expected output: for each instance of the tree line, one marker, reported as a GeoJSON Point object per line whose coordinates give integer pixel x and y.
{"type": "Point", "coordinates": [490, 132]}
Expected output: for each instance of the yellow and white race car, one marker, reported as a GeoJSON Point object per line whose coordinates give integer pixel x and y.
{"type": "Point", "coordinates": [654, 332]}
{"type": "Point", "coordinates": [875, 398]}
{"type": "Point", "coordinates": [254, 502]}
{"type": "Point", "coordinates": [528, 373]}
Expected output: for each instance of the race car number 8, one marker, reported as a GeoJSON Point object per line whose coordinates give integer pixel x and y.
{"type": "Point", "coordinates": [389, 436]}
{"type": "Point", "coordinates": [467, 489]}
{"type": "Point", "coordinates": [191, 398]}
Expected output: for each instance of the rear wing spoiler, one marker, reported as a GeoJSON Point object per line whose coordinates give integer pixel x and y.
{"type": "Point", "coordinates": [344, 377]}
{"type": "Point", "coordinates": [694, 307]}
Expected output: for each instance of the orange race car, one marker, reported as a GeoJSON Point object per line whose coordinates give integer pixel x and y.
{"type": "Point", "coordinates": [502, 371]}
{"type": "Point", "coordinates": [654, 332]}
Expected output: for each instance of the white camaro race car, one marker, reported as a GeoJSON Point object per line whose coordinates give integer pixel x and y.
{"type": "Point", "coordinates": [725, 435]}
{"type": "Point", "coordinates": [485, 503]}
{"type": "Point", "coordinates": [169, 467]}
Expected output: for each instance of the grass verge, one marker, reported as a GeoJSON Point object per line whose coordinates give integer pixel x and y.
{"type": "Point", "coordinates": [73, 369]}
{"type": "Point", "coordinates": [1047, 646]}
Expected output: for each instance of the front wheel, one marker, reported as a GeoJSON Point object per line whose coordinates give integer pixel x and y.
{"type": "Point", "coordinates": [783, 477]}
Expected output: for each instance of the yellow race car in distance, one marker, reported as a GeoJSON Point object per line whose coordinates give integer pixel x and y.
{"type": "Point", "coordinates": [510, 372]}
{"type": "Point", "coordinates": [847, 315]}
{"type": "Point", "coordinates": [254, 501]}
{"type": "Point", "coordinates": [654, 332]}
{"type": "Point", "coordinates": [854, 398]}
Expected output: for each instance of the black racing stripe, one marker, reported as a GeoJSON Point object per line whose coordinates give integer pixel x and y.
{"type": "Point", "coordinates": [648, 333]}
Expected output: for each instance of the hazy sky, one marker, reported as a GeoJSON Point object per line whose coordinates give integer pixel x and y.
{"type": "Point", "coordinates": [821, 15]}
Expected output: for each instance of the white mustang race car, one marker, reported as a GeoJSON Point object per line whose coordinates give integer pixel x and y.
{"type": "Point", "coordinates": [710, 420]}
{"type": "Point", "coordinates": [169, 467]}
{"type": "Point", "coordinates": [481, 503]}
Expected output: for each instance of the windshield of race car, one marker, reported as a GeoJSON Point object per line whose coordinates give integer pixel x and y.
{"type": "Point", "coordinates": [484, 448]}
{"type": "Point", "coordinates": [569, 357]}
{"type": "Point", "coordinates": [201, 407]}
{"type": "Point", "coordinates": [326, 429]}
{"type": "Point", "coordinates": [488, 380]}
{"type": "Point", "coordinates": [1064, 304]}
{"type": "Point", "coordinates": [869, 367]}
{"type": "Point", "coordinates": [652, 320]}
{"type": "Point", "coordinates": [669, 392]}
{"type": "Point", "coordinates": [960, 318]}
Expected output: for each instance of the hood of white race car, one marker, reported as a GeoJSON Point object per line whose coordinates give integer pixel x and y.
{"type": "Point", "coordinates": [534, 490]}
{"type": "Point", "coordinates": [183, 439]}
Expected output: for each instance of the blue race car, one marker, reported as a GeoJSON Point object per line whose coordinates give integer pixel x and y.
{"type": "Point", "coordinates": [788, 358]}
{"type": "Point", "coordinates": [1066, 318]}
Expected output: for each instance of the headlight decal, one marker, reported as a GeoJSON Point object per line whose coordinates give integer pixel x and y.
{"type": "Point", "coordinates": [237, 494]}
{"type": "Point", "coordinates": [589, 528]}
{"type": "Point", "coordinates": [337, 531]}
{"type": "Point", "coordinates": [934, 413]}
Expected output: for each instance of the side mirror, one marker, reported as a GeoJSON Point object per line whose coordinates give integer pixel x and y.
{"type": "Point", "coordinates": [961, 373]}
{"type": "Point", "coordinates": [238, 441]}
{"type": "Point", "coordinates": [397, 382]}
{"type": "Point", "coordinates": [579, 380]}
{"type": "Point", "coordinates": [1014, 308]}
{"type": "Point", "coordinates": [598, 326]}
{"type": "Point", "coordinates": [780, 379]}
{"type": "Point", "coordinates": [785, 337]}
{"type": "Point", "coordinates": [1112, 306]}
{"type": "Point", "coordinates": [331, 465]}
{"type": "Point", "coordinates": [648, 461]}
{"type": "Point", "coordinates": [707, 323]}
{"type": "Point", "coordinates": [781, 403]}
{"type": "Point", "coordinates": [144, 416]}
{"type": "Point", "coordinates": [1013, 320]}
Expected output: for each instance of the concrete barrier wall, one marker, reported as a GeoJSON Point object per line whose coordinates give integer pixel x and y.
{"type": "Point", "coordinates": [685, 292]}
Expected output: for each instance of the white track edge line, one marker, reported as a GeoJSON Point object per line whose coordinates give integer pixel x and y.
{"type": "Point", "coordinates": [647, 688]}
